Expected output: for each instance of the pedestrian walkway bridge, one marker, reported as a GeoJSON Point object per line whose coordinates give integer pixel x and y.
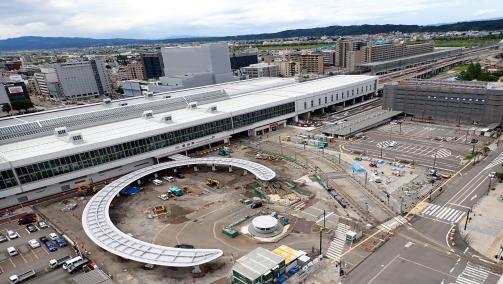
{"type": "Point", "coordinates": [100, 229]}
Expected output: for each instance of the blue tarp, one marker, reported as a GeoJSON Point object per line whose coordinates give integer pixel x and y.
{"type": "Point", "coordinates": [129, 191]}
{"type": "Point", "coordinates": [358, 168]}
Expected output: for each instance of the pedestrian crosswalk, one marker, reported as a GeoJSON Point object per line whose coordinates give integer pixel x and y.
{"type": "Point", "coordinates": [392, 224]}
{"type": "Point", "coordinates": [473, 274]}
{"type": "Point", "coordinates": [442, 153]}
{"type": "Point", "coordinates": [337, 244]}
{"type": "Point", "coordinates": [496, 162]}
{"type": "Point", "coordinates": [443, 212]}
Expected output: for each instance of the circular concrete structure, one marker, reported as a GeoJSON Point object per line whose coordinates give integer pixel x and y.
{"type": "Point", "coordinates": [265, 224]}
{"type": "Point", "coordinates": [100, 229]}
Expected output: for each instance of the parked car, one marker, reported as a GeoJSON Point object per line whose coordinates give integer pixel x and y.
{"type": "Point", "coordinates": [168, 179]}
{"type": "Point", "coordinates": [492, 174]}
{"type": "Point", "coordinates": [43, 225]}
{"type": "Point", "coordinates": [12, 234]}
{"type": "Point", "coordinates": [60, 242]}
{"type": "Point", "coordinates": [53, 236]}
{"type": "Point", "coordinates": [164, 197]}
{"type": "Point", "coordinates": [12, 251]}
{"type": "Point", "coordinates": [27, 219]}
{"type": "Point", "coordinates": [474, 141]}
{"type": "Point", "coordinates": [33, 243]}
{"type": "Point", "coordinates": [157, 181]}
{"type": "Point", "coordinates": [31, 228]}
{"type": "Point", "coordinates": [3, 238]}
{"type": "Point", "coordinates": [184, 246]}
{"type": "Point", "coordinates": [50, 246]}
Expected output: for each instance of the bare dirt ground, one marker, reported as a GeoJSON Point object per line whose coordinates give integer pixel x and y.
{"type": "Point", "coordinates": [197, 218]}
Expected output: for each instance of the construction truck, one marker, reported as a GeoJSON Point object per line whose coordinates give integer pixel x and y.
{"type": "Point", "coordinates": [225, 151]}
{"type": "Point", "coordinates": [22, 277]}
{"type": "Point", "coordinates": [212, 182]}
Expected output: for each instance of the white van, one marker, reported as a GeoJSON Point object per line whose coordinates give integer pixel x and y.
{"type": "Point", "coordinates": [71, 261]}
{"type": "Point", "coordinates": [157, 181]}
{"type": "Point", "coordinates": [12, 251]}
{"type": "Point", "coordinates": [168, 179]}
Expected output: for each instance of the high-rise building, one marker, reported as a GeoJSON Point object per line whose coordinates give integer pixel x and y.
{"type": "Point", "coordinates": [287, 68]}
{"type": "Point", "coordinates": [193, 66]}
{"type": "Point", "coordinates": [240, 60]}
{"type": "Point", "coordinates": [134, 70]}
{"type": "Point", "coordinates": [384, 52]}
{"type": "Point", "coordinates": [328, 57]}
{"type": "Point", "coordinates": [153, 65]}
{"type": "Point", "coordinates": [84, 79]}
{"type": "Point", "coordinates": [311, 63]}
{"type": "Point", "coordinates": [260, 70]}
{"type": "Point", "coordinates": [47, 83]}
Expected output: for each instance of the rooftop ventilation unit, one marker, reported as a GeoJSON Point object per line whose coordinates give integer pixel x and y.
{"type": "Point", "coordinates": [60, 131]}
{"type": "Point", "coordinates": [123, 104]}
{"type": "Point", "coordinates": [76, 138]}
{"type": "Point", "coordinates": [167, 118]}
{"type": "Point", "coordinates": [107, 101]}
{"type": "Point", "coordinates": [167, 97]}
{"type": "Point", "coordinates": [148, 114]}
{"type": "Point", "coordinates": [148, 95]}
{"type": "Point", "coordinates": [193, 105]}
{"type": "Point", "coordinates": [212, 108]}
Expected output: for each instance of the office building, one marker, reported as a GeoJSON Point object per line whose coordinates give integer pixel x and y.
{"type": "Point", "coordinates": [240, 60]}
{"type": "Point", "coordinates": [84, 79]}
{"type": "Point", "coordinates": [47, 83]}
{"type": "Point", "coordinates": [260, 266]}
{"type": "Point", "coordinates": [153, 65]}
{"type": "Point", "coordinates": [260, 70]}
{"type": "Point", "coordinates": [455, 102]}
{"type": "Point", "coordinates": [11, 91]}
{"type": "Point", "coordinates": [58, 150]}
{"type": "Point", "coordinates": [194, 66]}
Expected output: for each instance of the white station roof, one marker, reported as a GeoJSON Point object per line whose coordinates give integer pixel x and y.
{"type": "Point", "coordinates": [100, 229]}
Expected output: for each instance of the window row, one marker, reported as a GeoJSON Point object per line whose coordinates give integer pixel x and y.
{"type": "Point", "coordinates": [7, 179]}
{"type": "Point", "coordinates": [263, 114]}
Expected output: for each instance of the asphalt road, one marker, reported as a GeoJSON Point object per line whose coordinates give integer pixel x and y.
{"type": "Point", "coordinates": [421, 253]}
{"type": "Point", "coordinates": [441, 155]}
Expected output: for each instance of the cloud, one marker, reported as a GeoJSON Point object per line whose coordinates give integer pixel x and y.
{"type": "Point", "coordinates": [162, 18]}
{"type": "Point", "coordinates": [486, 12]}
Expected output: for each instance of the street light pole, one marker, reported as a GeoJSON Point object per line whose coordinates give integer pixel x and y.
{"type": "Point", "coordinates": [467, 217]}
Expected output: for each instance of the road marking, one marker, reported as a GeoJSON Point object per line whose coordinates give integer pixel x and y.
{"type": "Point", "coordinates": [447, 237]}
{"type": "Point", "coordinates": [476, 187]}
{"type": "Point", "coordinates": [384, 268]}
{"type": "Point", "coordinates": [12, 262]}
{"type": "Point", "coordinates": [473, 274]}
{"type": "Point", "coordinates": [34, 254]}
{"type": "Point", "coordinates": [326, 216]}
{"type": "Point", "coordinates": [425, 266]}
{"type": "Point", "coordinates": [466, 249]}
{"type": "Point", "coordinates": [43, 248]}
{"type": "Point", "coordinates": [24, 259]}
{"type": "Point", "coordinates": [473, 197]}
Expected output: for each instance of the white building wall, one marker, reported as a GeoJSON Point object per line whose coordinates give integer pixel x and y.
{"type": "Point", "coordinates": [77, 80]}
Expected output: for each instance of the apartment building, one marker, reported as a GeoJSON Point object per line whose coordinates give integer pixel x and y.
{"type": "Point", "coordinates": [260, 70]}
{"type": "Point", "coordinates": [47, 83]}
{"type": "Point", "coordinates": [384, 52]}
{"type": "Point", "coordinates": [311, 63]}
{"type": "Point", "coordinates": [134, 70]}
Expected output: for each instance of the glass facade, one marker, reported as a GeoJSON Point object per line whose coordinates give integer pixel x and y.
{"type": "Point", "coordinates": [263, 114]}
{"type": "Point", "coordinates": [59, 166]}
{"type": "Point", "coordinates": [7, 179]}
{"type": "Point", "coordinates": [97, 157]}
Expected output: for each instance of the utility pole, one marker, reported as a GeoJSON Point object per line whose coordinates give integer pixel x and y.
{"type": "Point", "coordinates": [490, 184]}
{"type": "Point", "coordinates": [324, 219]}
{"type": "Point", "coordinates": [365, 181]}
{"type": "Point", "coordinates": [321, 237]}
{"type": "Point", "coordinates": [381, 151]}
{"type": "Point", "coordinates": [467, 217]}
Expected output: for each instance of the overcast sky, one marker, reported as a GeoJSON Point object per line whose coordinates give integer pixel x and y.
{"type": "Point", "coordinates": [165, 18]}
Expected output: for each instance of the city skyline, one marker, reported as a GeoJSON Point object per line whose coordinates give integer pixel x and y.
{"type": "Point", "coordinates": [159, 19]}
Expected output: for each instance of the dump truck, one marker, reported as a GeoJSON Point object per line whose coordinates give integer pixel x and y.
{"type": "Point", "coordinates": [22, 277]}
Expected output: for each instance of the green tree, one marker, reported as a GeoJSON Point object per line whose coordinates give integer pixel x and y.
{"type": "Point", "coordinates": [6, 108]}
{"type": "Point", "coordinates": [22, 104]}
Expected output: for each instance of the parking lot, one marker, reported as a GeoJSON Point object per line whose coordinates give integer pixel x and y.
{"type": "Point", "coordinates": [28, 258]}
{"type": "Point", "coordinates": [439, 154]}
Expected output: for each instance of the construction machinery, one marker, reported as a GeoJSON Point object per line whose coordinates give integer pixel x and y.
{"type": "Point", "coordinates": [212, 182]}
{"type": "Point", "coordinates": [87, 189]}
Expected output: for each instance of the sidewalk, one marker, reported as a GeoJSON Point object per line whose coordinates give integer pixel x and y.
{"type": "Point", "coordinates": [485, 229]}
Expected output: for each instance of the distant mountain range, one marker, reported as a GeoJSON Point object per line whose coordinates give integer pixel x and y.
{"type": "Point", "coordinates": [37, 43]}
